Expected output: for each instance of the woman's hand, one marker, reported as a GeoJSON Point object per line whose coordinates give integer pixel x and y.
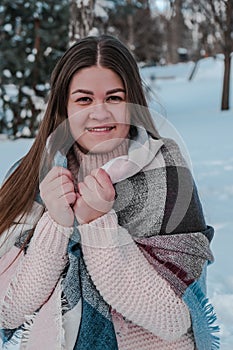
{"type": "Point", "coordinates": [95, 198]}
{"type": "Point", "coordinates": [57, 192]}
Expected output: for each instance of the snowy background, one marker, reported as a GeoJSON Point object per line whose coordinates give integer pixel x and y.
{"type": "Point", "coordinates": [193, 109]}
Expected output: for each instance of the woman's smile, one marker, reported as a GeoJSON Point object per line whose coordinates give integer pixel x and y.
{"type": "Point", "coordinates": [100, 129]}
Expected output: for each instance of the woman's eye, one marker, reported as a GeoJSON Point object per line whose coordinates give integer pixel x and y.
{"type": "Point", "coordinates": [114, 99]}
{"type": "Point", "coordinates": [83, 100]}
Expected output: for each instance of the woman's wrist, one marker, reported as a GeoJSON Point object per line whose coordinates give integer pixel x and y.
{"type": "Point", "coordinates": [50, 236]}
{"type": "Point", "coordinates": [104, 232]}
{"type": "Point", "coordinates": [65, 230]}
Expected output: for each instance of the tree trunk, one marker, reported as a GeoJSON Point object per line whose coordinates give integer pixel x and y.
{"type": "Point", "coordinates": [227, 51]}
{"type": "Point", "coordinates": [226, 81]}
{"type": "Point", "coordinates": [194, 70]}
{"type": "Point", "coordinates": [37, 53]}
{"type": "Point", "coordinates": [131, 31]}
{"type": "Point", "coordinates": [130, 25]}
{"type": "Point", "coordinates": [174, 31]}
{"type": "Point", "coordinates": [73, 35]}
{"type": "Point", "coordinates": [81, 19]}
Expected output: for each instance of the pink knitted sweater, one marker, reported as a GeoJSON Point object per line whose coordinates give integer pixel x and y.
{"type": "Point", "coordinates": [146, 312]}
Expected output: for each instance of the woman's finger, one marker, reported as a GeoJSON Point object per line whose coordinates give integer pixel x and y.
{"type": "Point", "coordinates": [102, 177]}
{"type": "Point", "coordinates": [65, 189]}
{"type": "Point", "coordinates": [91, 182]}
{"type": "Point", "coordinates": [84, 190]}
{"type": "Point", "coordinates": [56, 172]}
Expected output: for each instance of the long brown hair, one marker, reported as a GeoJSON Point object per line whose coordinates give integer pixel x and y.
{"type": "Point", "coordinates": [18, 192]}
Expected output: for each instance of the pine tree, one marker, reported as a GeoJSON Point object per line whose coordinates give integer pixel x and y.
{"type": "Point", "coordinates": [33, 35]}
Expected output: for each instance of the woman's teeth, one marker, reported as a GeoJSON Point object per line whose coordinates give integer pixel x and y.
{"type": "Point", "coordinates": [101, 129]}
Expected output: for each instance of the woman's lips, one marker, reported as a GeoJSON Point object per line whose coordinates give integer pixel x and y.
{"type": "Point", "coordinates": [101, 129]}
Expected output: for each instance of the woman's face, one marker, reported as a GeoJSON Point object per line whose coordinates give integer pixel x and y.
{"type": "Point", "coordinates": [97, 109]}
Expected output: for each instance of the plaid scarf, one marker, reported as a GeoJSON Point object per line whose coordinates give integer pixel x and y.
{"type": "Point", "coordinates": [157, 202]}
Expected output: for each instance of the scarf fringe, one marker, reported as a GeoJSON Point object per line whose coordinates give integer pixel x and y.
{"type": "Point", "coordinates": [209, 318]}
{"type": "Point", "coordinates": [26, 328]}
{"type": "Point", "coordinates": [14, 340]}
{"type": "Point", "coordinates": [64, 304]}
{"type": "Point", "coordinates": [64, 307]}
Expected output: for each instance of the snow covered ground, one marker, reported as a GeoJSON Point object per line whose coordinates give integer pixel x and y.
{"type": "Point", "coordinates": [193, 110]}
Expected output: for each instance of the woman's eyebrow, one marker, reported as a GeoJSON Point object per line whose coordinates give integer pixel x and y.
{"type": "Point", "coordinates": [83, 91]}
{"type": "Point", "coordinates": [115, 90]}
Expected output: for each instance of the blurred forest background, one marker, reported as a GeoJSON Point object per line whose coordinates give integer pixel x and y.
{"type": "Point", "coordinates": [34, 34]}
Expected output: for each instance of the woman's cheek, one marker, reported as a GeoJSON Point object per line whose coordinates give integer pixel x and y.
{"type": "Point", "coordinates": [75, 127]}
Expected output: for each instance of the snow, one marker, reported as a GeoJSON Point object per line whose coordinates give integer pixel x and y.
{"type": "Point", "coordinates": [193, 111]}
{"type": "Point", "coordinates": [31, 58]}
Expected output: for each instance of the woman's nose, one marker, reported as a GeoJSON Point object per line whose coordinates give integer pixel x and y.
{"type": "Point", "coordinates": [99, 112]}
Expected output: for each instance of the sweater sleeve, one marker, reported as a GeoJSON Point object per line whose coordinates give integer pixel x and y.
{"type": "Point", "coordinates": [37, 273]}
{"type": "Point", "coordinates": [128, 282]}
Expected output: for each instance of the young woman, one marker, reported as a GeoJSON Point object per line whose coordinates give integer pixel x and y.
{"type": "Point", "coordinates": [103, 241]}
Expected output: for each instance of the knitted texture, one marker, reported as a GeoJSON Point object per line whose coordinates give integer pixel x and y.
{"type": "Point", "coordinates": [133, 337]}
{"type": "Point", "coordinates": [37, 273]}
{"type": "Point", "coordinates": [129, 268]}
{"type": "Point", "coordinates": [81, 164]}
{"type": "Point", "coordinates": [126, 281]}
